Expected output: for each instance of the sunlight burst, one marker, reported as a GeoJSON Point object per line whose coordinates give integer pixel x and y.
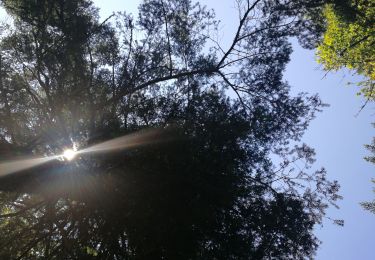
{"type": "Point", "coordinates": [69, 154]}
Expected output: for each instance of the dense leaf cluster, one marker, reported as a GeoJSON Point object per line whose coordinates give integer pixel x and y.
{"type": "Point", "coordinates": [349, 39]}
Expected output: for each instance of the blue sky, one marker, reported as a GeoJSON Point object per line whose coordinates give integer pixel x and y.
{"type": "Point", "coordinates": [338, 138]}
{"type": "Point", "coordinates": [337, 135]}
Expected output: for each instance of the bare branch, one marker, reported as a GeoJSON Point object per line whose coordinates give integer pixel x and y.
{"type": "Point", "coordinates": [237, 36]}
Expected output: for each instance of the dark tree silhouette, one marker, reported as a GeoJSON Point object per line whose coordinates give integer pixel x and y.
{"type": "Point", "coordinates": [215, 169]}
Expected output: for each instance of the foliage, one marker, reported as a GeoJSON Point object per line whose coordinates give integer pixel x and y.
{"type": "Point", "coordinates": [371, 147]}
{"type": "Point", "coordinates": [349, 40]}
{"type": "Point", "coordinates": [370, 206]}
{"type": "Point", "coordinates": [221, 175]}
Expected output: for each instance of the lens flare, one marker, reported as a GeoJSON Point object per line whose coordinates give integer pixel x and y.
{"type": "Point", "coordinates": [69, 154]}
{"type": "Point", "coordinates": [125, 142]}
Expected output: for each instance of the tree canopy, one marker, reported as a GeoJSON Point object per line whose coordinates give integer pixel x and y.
{"type": "Point", "coordinates": [349, 39]}
{"type": "Point", "coordinates": [215, 168]}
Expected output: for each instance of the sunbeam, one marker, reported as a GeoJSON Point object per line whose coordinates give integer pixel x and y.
{"type": "Point", "coordinates": [19, 165]}
{"type": "Point", "coordinates": [124, 142]}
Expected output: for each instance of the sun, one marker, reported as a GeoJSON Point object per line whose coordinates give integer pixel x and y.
{"type": "Point", "coordinates": [69, 154]}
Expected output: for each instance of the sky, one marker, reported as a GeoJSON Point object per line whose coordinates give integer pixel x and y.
{"type": "Point", "coordinates": [337, 135]}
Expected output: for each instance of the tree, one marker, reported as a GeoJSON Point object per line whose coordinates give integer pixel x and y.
{"type": "Point", "coordinates": [200, 180]}
{"type": "Point", "coordinates": [370, 206]}
{"type": "Point", "coordinates": [348, 41]}
{"type": "Point", "coordinates": [371, 147]}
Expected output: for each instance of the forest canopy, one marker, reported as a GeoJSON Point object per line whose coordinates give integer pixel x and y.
{"type": "Point", "coordinates": [215, 168]}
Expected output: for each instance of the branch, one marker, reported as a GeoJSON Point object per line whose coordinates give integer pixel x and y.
{"type": "Point", "coordinates": [166, 78]}
{"type": "Point", "coordinates": [263, 29]}
{"type": "Point", "coordinates": [237, 36]}
{"type": "Point", "coordinates": [367, 100]}
{"type": "Point", "coordinates": [355, 43]}
{"type": "Point", "coordinates": [15, 214]}
{"type": "Point", "coordinates": [99, 26]}
{"type": "Point", "coordinates": [168, 39]}
{"type": "Point", "coordinates": [234, 89]}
